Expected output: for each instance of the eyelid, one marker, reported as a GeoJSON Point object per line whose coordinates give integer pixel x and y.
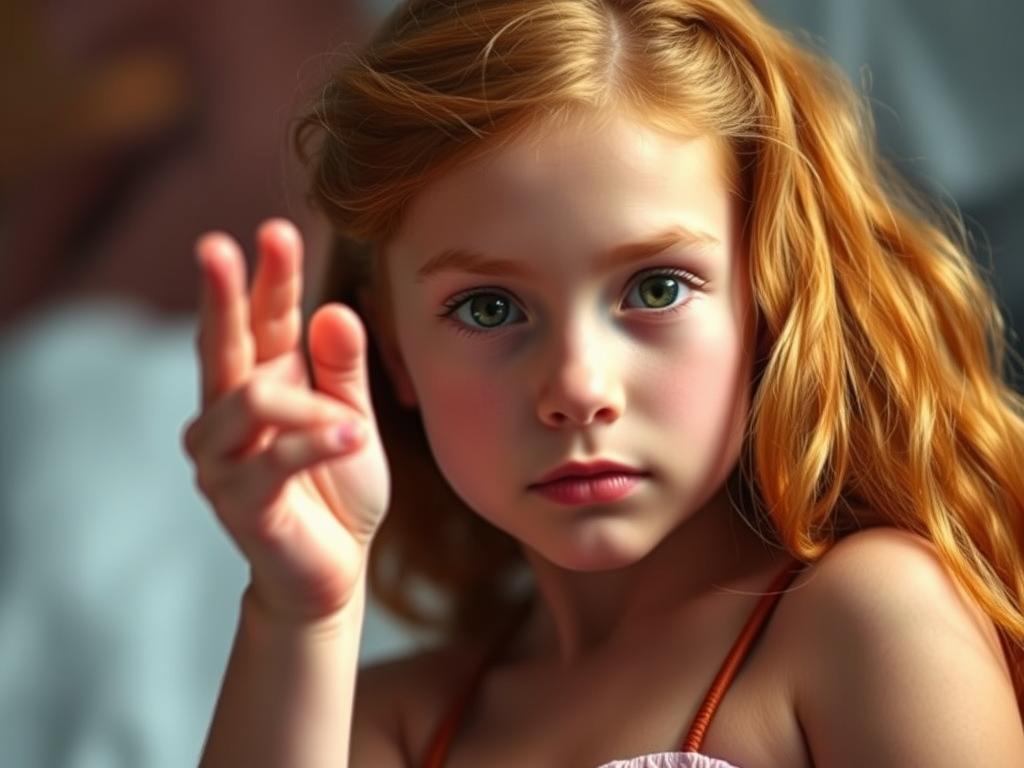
{"type": "Point", "coordinates": [685, 274]}
{"type": "Point", "coordinates": [461, 296]}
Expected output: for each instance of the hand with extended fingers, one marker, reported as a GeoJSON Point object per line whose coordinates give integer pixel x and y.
{"type": "Point", "coordinates": [294, 469]}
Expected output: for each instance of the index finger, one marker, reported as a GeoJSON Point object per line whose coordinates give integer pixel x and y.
{"type": "Point", "coordinates": [225, 342]}
{"type": "Point", "coordinates": [275, 305]}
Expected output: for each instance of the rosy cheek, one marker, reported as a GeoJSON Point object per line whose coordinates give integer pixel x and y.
{"type": "Point", "coordinates": [460, 407]}
{"type": "Point", "coordinates": [464, 419]}
{"type": "Point", "coordinates": [700, 393]}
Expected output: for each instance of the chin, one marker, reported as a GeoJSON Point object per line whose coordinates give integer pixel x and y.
{"type": "Point", "coordinates": [604, 546]}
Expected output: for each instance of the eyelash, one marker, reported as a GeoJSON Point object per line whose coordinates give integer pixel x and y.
{"type": "Point", "coordinates": [453, 304]}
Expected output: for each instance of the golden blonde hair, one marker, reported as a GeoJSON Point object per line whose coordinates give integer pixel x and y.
{"type": "Point", "coordinates": [883, 385]}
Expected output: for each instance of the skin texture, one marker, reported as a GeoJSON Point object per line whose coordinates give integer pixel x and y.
{"type": "Point", "coordinates": [585, 362]}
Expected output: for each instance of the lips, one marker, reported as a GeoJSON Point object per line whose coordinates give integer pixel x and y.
{"type": "Point", "coordinates": [578, 470]}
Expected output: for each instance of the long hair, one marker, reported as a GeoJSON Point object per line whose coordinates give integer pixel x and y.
{"type": "Point", "coordinates": [882, 386]}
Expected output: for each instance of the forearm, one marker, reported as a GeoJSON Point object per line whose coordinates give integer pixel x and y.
{"type": "Point", "coordinates": [288, 693]}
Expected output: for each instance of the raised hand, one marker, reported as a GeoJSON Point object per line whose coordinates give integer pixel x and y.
{"type": "Point", "coordinates": [294, 469]}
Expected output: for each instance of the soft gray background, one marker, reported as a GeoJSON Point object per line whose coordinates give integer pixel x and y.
{"type": "Point", "coordinates": [118, 590]}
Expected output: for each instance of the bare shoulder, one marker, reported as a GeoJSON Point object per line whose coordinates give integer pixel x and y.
{"type": "Point", "coordinates": [900, 666]}
{"type": "Point", "coordinates": [885, 574]}
{"type": "Point", "coordinates": [395, 698]}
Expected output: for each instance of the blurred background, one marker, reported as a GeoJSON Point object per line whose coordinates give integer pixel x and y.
{"type": "Point", "coordinates": [130, 127]}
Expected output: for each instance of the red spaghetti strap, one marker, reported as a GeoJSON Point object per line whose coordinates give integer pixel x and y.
{"type": "Point", "coordinates": [732, 662]}
{"type": "Point", "coordinates": [447, 729]}
{"type": "Point", "coordinates": [449, 726]}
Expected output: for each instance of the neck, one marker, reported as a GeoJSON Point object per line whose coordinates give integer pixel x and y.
{"type": "Point", "coordinates": [704, 559]}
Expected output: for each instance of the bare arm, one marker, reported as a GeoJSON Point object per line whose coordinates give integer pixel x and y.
{"type": "Point", "coordinates": [288, 691]}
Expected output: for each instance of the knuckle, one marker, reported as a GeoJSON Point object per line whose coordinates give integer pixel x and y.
{"type": "Point", "coordinates": [256, 395]}
{"type": "Point", "coordinates": [277, 458]}
{"type": "Point", "coordinates": [325, 412]}
{"type": "Point", "coordinates": [190, 438]}
{"type": "Point", "coordinates": [219, 484]}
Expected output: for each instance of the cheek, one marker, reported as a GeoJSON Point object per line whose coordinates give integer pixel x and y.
{"type": "Point", "coordinates": [700, 393]}
{"type": "Point", "coordinates": [467, 422]}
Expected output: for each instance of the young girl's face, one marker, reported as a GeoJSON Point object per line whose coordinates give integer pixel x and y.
{"type": "Point", "coordinates": [533, 337]}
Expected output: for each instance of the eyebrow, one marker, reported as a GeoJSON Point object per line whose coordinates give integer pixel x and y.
{"type": "Point", "coordinates": [461, 260]}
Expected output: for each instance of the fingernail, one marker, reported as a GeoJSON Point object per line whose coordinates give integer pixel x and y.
{"type": "Point", "coordinates": [346, 435]}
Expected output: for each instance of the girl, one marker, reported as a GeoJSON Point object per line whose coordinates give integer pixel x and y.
{"type": "Point", "coordinates": [664, 343]}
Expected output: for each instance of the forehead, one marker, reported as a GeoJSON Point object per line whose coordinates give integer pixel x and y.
{"type": "Point", "coordinates": [583, 185]}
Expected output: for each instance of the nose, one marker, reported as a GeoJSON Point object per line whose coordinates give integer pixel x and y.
{"type": "Point", "coordinates": [582, 386]}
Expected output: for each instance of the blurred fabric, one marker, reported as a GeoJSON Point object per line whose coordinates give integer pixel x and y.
{"type": "Point", "coordinates": [119, 592]}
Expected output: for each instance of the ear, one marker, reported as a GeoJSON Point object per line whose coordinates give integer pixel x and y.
{"type": "Point", "coordinates": [387, 345]}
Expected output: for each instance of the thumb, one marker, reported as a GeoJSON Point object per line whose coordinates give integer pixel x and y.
{"type": "Point", "coordinates": [337, 348]}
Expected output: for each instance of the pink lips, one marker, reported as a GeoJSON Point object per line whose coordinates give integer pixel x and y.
{"type": "Point", "coordinates": [576, 483]}
{"type": "Point", "coordinates": [589, 490]}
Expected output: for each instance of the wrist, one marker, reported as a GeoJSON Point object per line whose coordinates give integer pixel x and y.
{"type": "Point", "coordinates": [264, 620]}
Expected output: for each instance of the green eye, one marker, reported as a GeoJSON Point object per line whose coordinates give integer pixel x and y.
{"type": "Point", "coordinates": [488, 309]}
{"type": "Point", "coordinates": [482, 311]}
{"type": "Point", "coordinates": [665, 289]}
{"type": "Point", "coordinates": [659, 291]}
